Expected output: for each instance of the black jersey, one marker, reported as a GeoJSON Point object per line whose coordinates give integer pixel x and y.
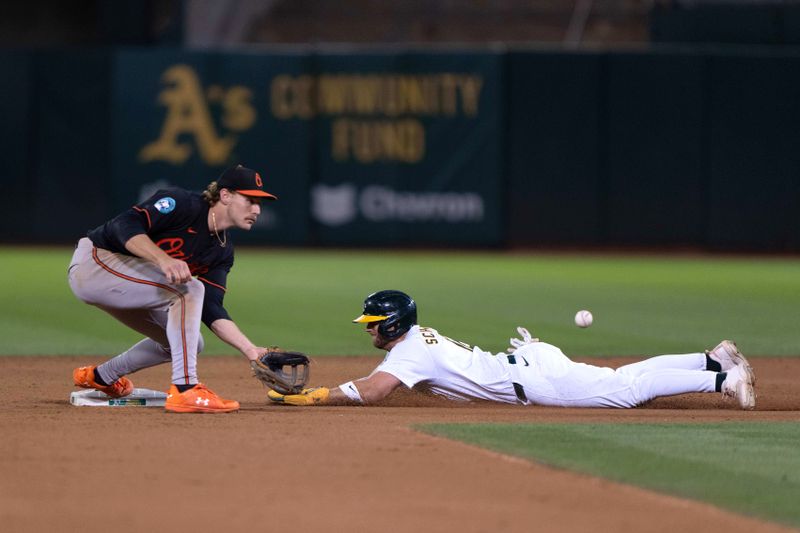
{"type": "Point", "coordinates": [177, 221]}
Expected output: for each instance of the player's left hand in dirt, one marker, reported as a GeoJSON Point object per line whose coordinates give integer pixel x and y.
{"type": "Point", "coordinates": [284, 371]}
{"type": "Point", "coordinates": [311, 396]}
{"type": "Point", "coordinates": [527, 338]}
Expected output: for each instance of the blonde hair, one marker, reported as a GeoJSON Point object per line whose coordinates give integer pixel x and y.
{"type": "Point", "coordinates": [211, 194]}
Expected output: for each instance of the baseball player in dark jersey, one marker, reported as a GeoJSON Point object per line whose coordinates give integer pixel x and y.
{"type": "Point", "coordinates": [160, 268]}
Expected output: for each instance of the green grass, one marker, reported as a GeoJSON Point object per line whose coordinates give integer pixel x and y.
{"type": "Point", "coordinates": [750, 468]}
{"type": "Point", "coordinates": [643, 305]}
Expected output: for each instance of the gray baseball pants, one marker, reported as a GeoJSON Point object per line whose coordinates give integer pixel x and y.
{"type": "Point", "coordinates": [136, 292]}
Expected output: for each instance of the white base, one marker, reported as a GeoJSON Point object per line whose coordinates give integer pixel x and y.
{"type": "Point", "coordinates": [138, 398]}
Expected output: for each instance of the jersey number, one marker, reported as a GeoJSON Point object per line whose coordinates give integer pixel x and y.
{"type": "Point", "coordinates": [430, 338]}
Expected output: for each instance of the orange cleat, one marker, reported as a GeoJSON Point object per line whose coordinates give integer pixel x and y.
{"type": "Point", "coordinates": [83, 377]}
{"type": "Point", "coordinates": [198, 399]}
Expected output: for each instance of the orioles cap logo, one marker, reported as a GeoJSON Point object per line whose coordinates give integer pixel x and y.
{"type": "Point", "coordinates": [258, 180]}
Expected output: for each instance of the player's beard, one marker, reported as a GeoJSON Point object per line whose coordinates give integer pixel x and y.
{"type": "Point", "coordinates": [379, 341]}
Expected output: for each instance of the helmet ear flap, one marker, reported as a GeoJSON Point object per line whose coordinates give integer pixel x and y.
{"type": "Point", "coordinates": [389, 329]}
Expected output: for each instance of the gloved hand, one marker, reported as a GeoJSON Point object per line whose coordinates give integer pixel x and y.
{"type": "Point", "coordinates": [527, 338]}
{"type": "Point", "coordinates": [282, 370]}
{"type": "Point", "coordinates": [313, 396]}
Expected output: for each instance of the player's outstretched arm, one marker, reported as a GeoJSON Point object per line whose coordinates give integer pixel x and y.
{"type": "Point", "coordinates": [229, 332]}
{"type": "Point", "coordinates": [371, 389]}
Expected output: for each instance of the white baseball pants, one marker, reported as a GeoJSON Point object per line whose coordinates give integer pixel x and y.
{"type": "Point", "coordinates": [550, 378]}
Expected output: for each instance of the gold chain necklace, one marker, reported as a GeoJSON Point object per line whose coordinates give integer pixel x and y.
{"type": "Point", "coordinates": [222, 242]}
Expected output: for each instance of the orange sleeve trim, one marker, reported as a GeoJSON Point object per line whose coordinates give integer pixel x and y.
{"type": "Point", "coordinates": [149, 223]}
{"type": "Point", "coordinates": [204, 280]}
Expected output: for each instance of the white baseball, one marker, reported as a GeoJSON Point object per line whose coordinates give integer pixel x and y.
{"type": "Point", "coordinates": [583, 318]}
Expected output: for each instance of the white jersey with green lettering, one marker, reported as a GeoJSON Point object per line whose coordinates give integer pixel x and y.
{"type": "Point", "coordinates": [446, 367]}
{"type": "Point", "coordinates": [537, 373]}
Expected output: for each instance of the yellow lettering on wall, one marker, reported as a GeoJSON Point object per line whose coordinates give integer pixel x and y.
{"type": "Point", "coordinates": [372, 141]}
{"type": "Point", "coordinates": [366, 91]}
{"type": "Point", "coordinates": [470, 93]}
{"type": "Point", "coordinates": [188, 114]}
{"type": "Point", "coordinates": [340, 139]}
{"type": "Point", "coordinates": [331, 95]}
{"type": "Point", "coordinates": [238, 113]}
{"type": "Point", "coordinates": [356, 102]}
{"type": "Point", "coordinates": [375, 95]}
{"type": "Point", "coordinates": [390, 103]}
{"type": "Point", "coordinates": [411, 96]}
{"type": "Point", "coordinates": [291, 97]}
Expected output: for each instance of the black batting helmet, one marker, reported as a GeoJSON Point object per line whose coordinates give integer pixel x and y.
{"type": "Point", "coordinates": [395, 311]}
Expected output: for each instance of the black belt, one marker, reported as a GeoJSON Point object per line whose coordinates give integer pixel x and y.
{"type": "Point", "coordinates": [518, 389]}
{"type": "Point", "coordinates": [520, 392]}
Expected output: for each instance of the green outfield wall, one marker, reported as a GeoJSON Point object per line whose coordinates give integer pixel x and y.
{"type": "Point", "coordinates": [666, 147]}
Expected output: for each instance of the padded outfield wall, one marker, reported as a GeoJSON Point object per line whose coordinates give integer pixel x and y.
{"type": "Point", "coordinates": [463, 148]}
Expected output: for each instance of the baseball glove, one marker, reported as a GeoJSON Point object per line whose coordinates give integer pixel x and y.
{"type": "Point", "coordinates": [283, 371]}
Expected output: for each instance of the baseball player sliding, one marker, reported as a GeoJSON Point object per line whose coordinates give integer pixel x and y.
{"type": "Point", "coordinates": [533, 373]}
{"type": "Point", "coordinates": [139, 267]}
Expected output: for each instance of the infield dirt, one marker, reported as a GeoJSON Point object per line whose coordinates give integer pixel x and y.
{"type": "Point", "coordinates": [277, 468]}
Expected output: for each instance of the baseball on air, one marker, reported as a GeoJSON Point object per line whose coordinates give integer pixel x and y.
{"type": "Point", "coordinates": [583, 318]}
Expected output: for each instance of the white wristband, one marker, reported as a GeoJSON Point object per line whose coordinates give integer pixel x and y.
{"type": "Point", "coordinates": [349, 389]}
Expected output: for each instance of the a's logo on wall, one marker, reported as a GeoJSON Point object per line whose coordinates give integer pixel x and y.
{"type": "Point", "coordinates": [189, 121]}
{"type": "Point", "coordinates": [334, 206]}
